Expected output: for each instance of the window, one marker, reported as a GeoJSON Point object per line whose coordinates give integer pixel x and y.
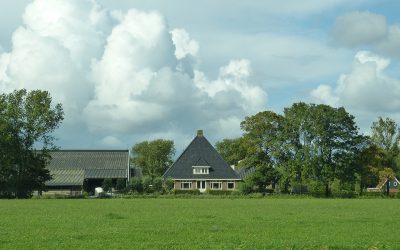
{"type": "Point", "coordinates": [395, 183]}
{"type": "Point", "coordinates": [216, 184]}
{"type": "Point", "coordinates": [186, 185]}
{"type": "Point", "coordinates": [231, 185]}
{"type": "Point", "coordinates": [200, 170]}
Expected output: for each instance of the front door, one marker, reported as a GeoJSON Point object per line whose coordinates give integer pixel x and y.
{"type": "Point", "coordinates": [201, 185]}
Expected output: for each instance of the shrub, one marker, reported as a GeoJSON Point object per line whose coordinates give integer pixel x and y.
{"type": "Point", "coordinates": [121, 185]}
{"type": "Point", "coordinates": [147, 184]}
{"type": "Point", "coordinates": [345, 194]}
{"type": "Point", "coordinates": [221, 192]}
{"type": "Point", "coordinates": [158, 184]}
{"type": "Point", "coordinates": [245, 187]}
{"type": "Point", "coordinates": [191, 191]}
{"type": "Point", "coordinates": [136, 185]}
{"type": "Point", "coordinates": [168, 185]}
{"type": "Point", "coordinates": [256, 195]}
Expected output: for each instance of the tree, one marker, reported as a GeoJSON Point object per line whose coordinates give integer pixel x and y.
{"type": "Point", "coordinates": [334, 145]}
{"type": "Point", "coordinates": [27, 120]}
{"type": "Point", "coordinates": [263, 147]}
{"type": "Point", "coordinates": [154, 157]}
{"type": "Point", "coordinates": [232, 150]}
{"type": "Point", "coordinates": [386, 136]}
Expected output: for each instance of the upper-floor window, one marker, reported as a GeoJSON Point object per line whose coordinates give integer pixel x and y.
{"type": "Point", "coordinates": [200, 170]}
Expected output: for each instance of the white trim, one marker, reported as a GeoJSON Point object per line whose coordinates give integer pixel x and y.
{"type": "Point", "coordinates": [186, 182]}
{"type": "Point", "coordinates": [216, 182]}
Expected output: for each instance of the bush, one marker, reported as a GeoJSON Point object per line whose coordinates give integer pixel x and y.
{"type": "Point", "coordinates": [299, 189]}
{"type": "Point", "coordinates": [136, 185]}
{"type": "Point", "coordinates": [256, 195]}
{"type": "Point", "coordinates": [345, 194]}
{"type": "Point", "coordinates": [158, 184]}
{"type": "Point", "coordinates": [168, 185]}
{"type": "Point", "coordinates": [316, 188]}
{"type": "Point", "coordinates": [121, 185]}
{"type": "Point", "coordinates": [191, 191]}
{"type": "Point", "coordinates": [245, 187]}
{"type": "Point", "coordinates": [147, 184]}
{"type": "Point", "coordinates": [221, 192]}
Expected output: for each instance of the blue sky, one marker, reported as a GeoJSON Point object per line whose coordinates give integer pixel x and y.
{"type": "Point", "coordinates": [128, 71]}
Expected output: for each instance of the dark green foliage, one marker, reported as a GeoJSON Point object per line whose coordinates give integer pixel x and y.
{"type": "Point", "coordinates": [308, 145]}
{"type": "Point", "coordinates": [246, 187]}
{"type": "Point", "coordinates": [121, 184]}
{"type": "Point", "coordinates": [147, 184]}
{"type": "Point", "coordinates": [168, 185]}
{"type": "Point", "coordinates": [154, 157]}
{"type": "Point", "coordinates": [232, 150]}
{"type": "Point", "coordinates": [157, 184]}
{"type": "Point", "coordinates": [136, 185]}
{"type": "Point", "coordinates": [27, 120]}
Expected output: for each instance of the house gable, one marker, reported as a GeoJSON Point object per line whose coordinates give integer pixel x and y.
{"type": "Point", "coordinates": [200, 153]}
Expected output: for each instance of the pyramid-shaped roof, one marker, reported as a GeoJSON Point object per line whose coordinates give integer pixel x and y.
{"type": "Point", "coordinates": [201, 153]}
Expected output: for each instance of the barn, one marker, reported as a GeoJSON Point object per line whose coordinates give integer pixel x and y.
{"type": "Point", "coordinates": [74, 171]}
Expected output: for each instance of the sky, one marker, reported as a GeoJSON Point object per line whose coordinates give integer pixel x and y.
{"type": "Point", "coordinates": [128, 71]}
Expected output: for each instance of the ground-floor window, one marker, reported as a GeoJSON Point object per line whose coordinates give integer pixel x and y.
{"type": "Point", "coordinates": [216, 184]}
{"type": "Point", "coordinates": [231, 185]}
{"type": "Point", "coordinates": [186, 185]}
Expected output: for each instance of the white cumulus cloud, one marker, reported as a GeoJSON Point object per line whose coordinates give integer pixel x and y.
{"type": "Point", "coordinates": [124, 75]}
{"type": "Point", "coordinates": [366, 88]}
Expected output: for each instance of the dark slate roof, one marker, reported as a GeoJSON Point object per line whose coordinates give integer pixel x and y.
{"type": "Point", "coordinates": [71, 167]}
{"type": "Point", "coordinates": [66, 177]}
{"type": "Point", "coordinates": [200, 153]}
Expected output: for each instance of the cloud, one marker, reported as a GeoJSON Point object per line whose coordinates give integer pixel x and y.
{"type": "Point", "coordinates": [53, 50]}
{"type": "Point", "coordinates": [359, 28]}
{"type": "Point", "coordinates": [124, 76]}
{"type": "Point", "coordinates": [366, 88]}
{"type": "Point", "coordinates": [184, 45]}
{"type": "Point", "coordinates": [367, 29]}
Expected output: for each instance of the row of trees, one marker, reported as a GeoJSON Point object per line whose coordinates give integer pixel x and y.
{"type": "Point", "coordinates": [317, 147]}
{"type": "Point", "coordinates": [27, 120]}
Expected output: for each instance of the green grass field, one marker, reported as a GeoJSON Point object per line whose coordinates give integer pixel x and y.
{"type": "Point", "coordinates": [200, 224]}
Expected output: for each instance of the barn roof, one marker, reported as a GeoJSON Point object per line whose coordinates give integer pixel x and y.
{"type": "Point", "coordinates": [71, 167]}
{"type": "Point", "coordinates": [200, 153]}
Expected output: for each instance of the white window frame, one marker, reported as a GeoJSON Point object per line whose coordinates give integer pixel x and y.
{"type": "Point", "coordinates": [201, 170]}
{"type": "Point", "coordinates": [227, 185]}
{"type": "Point", "coordinates": [216, 182]}
{"type": "Point", "coordinates": [186, 182]}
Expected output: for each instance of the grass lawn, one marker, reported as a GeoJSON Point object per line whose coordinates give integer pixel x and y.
{"type": "Point", "coordinates": [199, 224]}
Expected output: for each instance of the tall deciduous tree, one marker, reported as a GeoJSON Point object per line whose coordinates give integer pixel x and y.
{"type": "Point", "coordinates": [232, 150]}
{"type": "Point", "coordinates": [261, 137]}
{"type": "Point", "coordinates": [386, 136]}
{"type": "Point", "coordinates": [27, 120]}
{"type": "Point", "coordinates": [154, 157]}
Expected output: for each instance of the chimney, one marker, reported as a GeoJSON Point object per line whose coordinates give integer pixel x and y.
{"type": "Point", "coordinates": [200, 132]}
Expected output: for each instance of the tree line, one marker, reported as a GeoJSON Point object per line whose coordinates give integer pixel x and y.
{"type": "Point", "coordinates": [314, 148]}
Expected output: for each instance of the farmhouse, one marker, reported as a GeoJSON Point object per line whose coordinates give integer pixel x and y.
{"type": "Point", "coordinates": [201, 167]}
{"type": "Point", "coordinates": [77, 170]}
{"type": "Point", "coordinates": [391, 184]}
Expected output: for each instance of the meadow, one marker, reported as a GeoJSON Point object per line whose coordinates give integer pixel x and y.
{"type": "Point", "coordinates": [200, 224]}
